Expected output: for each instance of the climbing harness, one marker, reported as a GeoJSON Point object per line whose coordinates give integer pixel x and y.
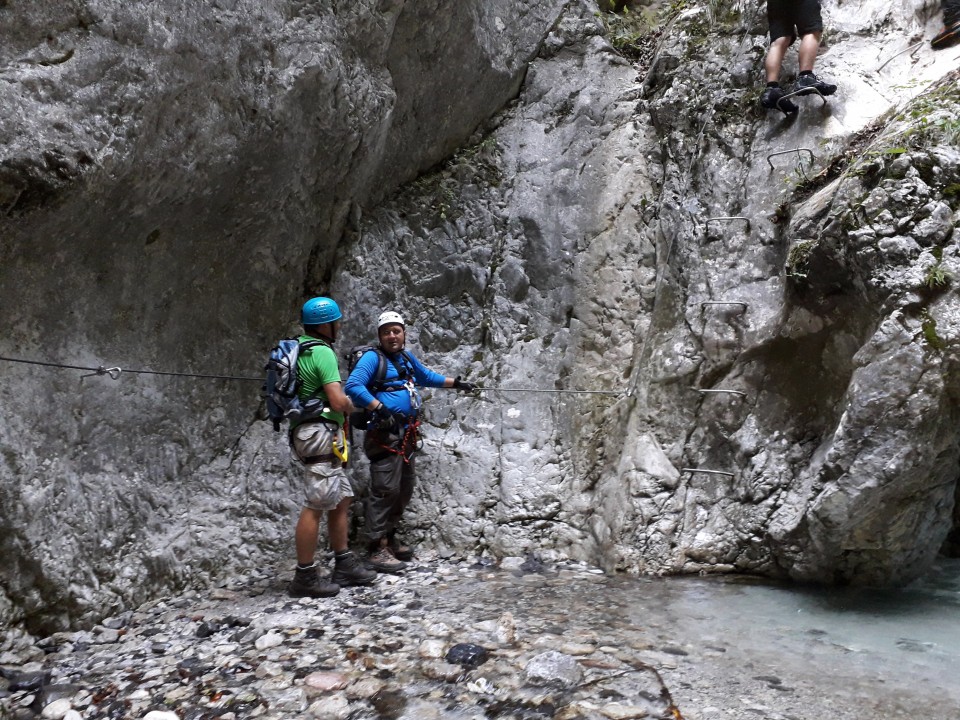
{"type": "Point", "coordinates": [411, 438]}
{"type": "Point", "coordinates": [340, 446]}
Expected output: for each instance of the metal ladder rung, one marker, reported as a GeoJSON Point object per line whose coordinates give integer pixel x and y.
{"type": "Point", "coordinates": [729, 218]}
{"type": "Point", "coordinates": [787, 152]}
{"type": "Point", "coordinates": [708, 472]}
{"type": "Point", "coordinates": [909, 49]}
{"type": "Point", "coordinates": [802, 91]}
{"type": "Point", "coordinates": [704, 304]}
{"type": "Point", "coordinates": [703, 391]}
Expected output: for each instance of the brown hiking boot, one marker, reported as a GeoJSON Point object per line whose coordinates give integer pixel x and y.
{"type": "Point", "coordinates": [347, 571]}
{"type": "Point", "coordinates": [400, 550]}
{"type": "Point", "coordinates": [308, 583]}
{"type": "Point", "coordinates": [383, 560]}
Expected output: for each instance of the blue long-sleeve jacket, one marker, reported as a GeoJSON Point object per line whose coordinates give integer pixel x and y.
{"type": "Point", "coordinates": [396, 396]}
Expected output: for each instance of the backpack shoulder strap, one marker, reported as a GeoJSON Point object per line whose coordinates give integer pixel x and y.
{"type": "Point", "coordinates": [307, 344]}
{"type": "Point", "coordinates": [381, 365]}
{"type": "Point", "coordinates": [381, 373]}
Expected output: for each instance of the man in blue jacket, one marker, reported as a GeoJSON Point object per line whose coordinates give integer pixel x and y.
{"type": "Point", "coordinates": [391, 439]}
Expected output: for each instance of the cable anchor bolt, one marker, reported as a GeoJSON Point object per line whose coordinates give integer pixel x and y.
{"type": "Point", "coordinates": [113, 372]}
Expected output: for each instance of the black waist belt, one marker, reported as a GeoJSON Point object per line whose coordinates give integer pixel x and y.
{"type": "Point", "coordinates": [314, 459]}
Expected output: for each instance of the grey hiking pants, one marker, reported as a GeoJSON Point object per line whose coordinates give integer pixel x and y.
{"type": "Point", "coordinates": [391, 481]}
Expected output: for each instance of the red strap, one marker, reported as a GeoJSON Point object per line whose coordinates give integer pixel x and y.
{"type": "Point", "coordinates": [411, 429]}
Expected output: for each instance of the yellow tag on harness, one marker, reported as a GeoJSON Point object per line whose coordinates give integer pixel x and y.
{"type": "Point", "coordinates": [341, 449]}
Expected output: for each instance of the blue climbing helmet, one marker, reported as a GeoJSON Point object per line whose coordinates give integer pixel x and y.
{"type": "Point", "coordinates": [320, 310]}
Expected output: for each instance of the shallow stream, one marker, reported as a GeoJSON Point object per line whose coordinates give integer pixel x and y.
{"type": "Point", "coordinates": [740, 648]}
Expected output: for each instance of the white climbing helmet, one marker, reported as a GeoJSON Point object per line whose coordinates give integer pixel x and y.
{"type": "Point", "coordinates": [389, 317]}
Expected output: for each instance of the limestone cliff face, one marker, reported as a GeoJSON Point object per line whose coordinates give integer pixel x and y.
{"type": "Point", "coordinates": [772, 300]}
{"type": "Point", "coordinates": [176, 179]}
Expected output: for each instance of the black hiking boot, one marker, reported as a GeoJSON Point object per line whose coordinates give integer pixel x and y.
{"type": "Point", "coordinates": [772, 99]}
{"type": "Point", "coordinates": [308, 583]}
{"type": "Point", "coordinates": [810, 83]}
{"type": "Point", "coordinates": [948, 37]}
{"type": "Point", "coordinates": [348, 571]}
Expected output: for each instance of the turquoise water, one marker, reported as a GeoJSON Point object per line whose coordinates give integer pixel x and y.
{"type": "Point", "coordinates": [838, 653]}
{"type": "Point", "coordinates": [733, 648]}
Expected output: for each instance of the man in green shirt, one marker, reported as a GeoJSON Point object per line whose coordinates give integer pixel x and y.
{"type": "Point", "coordinates": [319, 445]}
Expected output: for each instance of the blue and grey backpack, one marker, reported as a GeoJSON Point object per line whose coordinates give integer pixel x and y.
{"type": "Point", "coordinates": [282, 384]}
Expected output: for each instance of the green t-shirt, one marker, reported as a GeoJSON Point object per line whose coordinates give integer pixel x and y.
{"type": "Point", "coordinates": [318, 367]}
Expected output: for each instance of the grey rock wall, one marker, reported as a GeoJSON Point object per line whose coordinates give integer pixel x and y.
{"type": "Point", "coordinates": [590, 241]}
{"type": "Point", "coordinates": [174, 180]}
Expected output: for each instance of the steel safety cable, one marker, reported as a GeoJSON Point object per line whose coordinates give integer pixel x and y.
{"type": "Point", "coordinates": [114, 372]}
{"type": "Point", "coordinates": [537, 390]}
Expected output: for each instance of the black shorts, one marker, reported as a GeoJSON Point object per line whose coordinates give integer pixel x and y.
{"type": "Point", "coordinates": [789, 18]}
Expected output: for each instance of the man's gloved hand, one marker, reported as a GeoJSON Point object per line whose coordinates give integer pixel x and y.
{"type": "Point", "coordinates": [383, 419]}
{"type": "Point", "coordinates": [360, 419]}
{"type": "Point", "coordinates": [463, 385]}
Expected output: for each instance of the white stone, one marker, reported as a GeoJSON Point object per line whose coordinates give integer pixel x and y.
{"type": "Point", "coordinates": [269, 640]}
{"type": "Point", "coordinates": [432, 648]}
{"type": "Point", "coordinates": [56, 710]}
{"type": "Point", "coordinates": [333, 707]}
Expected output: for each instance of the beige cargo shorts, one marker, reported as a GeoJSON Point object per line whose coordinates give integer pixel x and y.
{"type": "Point", "coordinates": [325, 482]}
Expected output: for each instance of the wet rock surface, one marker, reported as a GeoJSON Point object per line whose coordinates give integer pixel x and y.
{"type": "Point", "coordinates": [567, 642]}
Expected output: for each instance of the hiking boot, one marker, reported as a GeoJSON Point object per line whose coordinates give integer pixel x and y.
{"type": "Point", "coordinates": [772, 100]}
{"type": "Point", "coordinates": [809, 83]}
{"type": "Point", "coordinates": [383, 560]}
{"type": "Point", "coordinates": [308, 583]}
{"type": "Point", "coordinates": [347, 571]}
{"type": "Point", "coordinates": [948, 37]}
{"type": "Point", "coordinates": [400, 550]}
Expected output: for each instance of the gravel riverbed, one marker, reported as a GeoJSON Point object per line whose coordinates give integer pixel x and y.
{"type": "Point", "coordinates": [465, 639]}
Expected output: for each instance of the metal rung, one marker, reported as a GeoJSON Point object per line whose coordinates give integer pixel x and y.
{"type": "Point", "coordinates": [721, 390]}
{"type": "Point", "coordinates": [787, 152]}
{"type": "Point", "coordinates": [912, 47]}
{"type": "Point", "coordinates": [732, 217]}
{"type": "Point", "coordinates": [704, 304]}
{"type": "Point", "coordinates": [804, 91]}
{"type": "Point", "coordinates": [708, 472]}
